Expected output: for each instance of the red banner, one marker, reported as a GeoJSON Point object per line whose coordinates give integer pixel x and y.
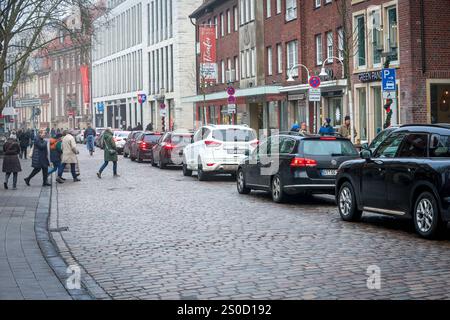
{"type": "Point", "coordinates": [208, 65]}
{"type": "Point", "coordinates": [85, 83]}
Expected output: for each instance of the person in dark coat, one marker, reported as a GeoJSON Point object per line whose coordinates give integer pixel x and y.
{"type": "Point", "coordinates": [24, 141]}
{"type": "Point", "coordinates": [149, 127]}
{"type": "Point", "coordinates": [55, 152]}
{"type": "Point", "coordinates": [39, 159]}
{"type": "Point", "coordinates": [110, 153]}
{"type": "Point", "coordinates": [11, 162]}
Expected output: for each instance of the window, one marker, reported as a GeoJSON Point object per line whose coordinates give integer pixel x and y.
{"type": "Point", "coordinates": [327, 1]}
{"type": "Point", "coordinates": [269, 61]}
{"type": "Point", "coordinates": [235, 18]}
{"type": "Point", "coordinates": [361, 41]}
{"type": "Point", "coordinates": [319, 49]}
{"type": "Point", "coordinates": [377, 46]}
{"type": "Point", "coordinates": [278, 6]}
{"type": "Point", "coordinates": [291, 10]}
{"type": "Point", "coordinates": [222, 66]}
{"type": "Point", "coordinates": [292, 56]}
{"type": "Point", "coordinates": [414, 146]}
{"type": "Point", "coordinates": [392, 32]}
{"type": "Point", "coordinates": [317, 3]}
{"type": "Point", "coordinates": [440, 146]}
{"type": "Point", "coordinates": [242, 12]}
{"type": "Point", "coordinates": [341, 43]}
{"type": "Point", "coordinates": [252, 10]}
{"type": "Point", "coordinates": [388, 148]}
{"type": "Point", "coordinates": [253, 61]}
{"type": "Point", "coordinates": [217, 27]}
{"type": "Point", "coordinates": [248, 63]}
{"type": "Point", "coordinates": [268, 8]}
{"type": "Point", "coordinates": [236, 68]}
{"type": "Point", "coordinates": [243, 65]}
{"type": "Point", "coordinates": [279, 59]}
{"type": "Point", "coordinates": [222, 25]}
{"type": "Point", "coordinates": [228, 21]}
{"type": "Point", "coordinates": [330, 46]}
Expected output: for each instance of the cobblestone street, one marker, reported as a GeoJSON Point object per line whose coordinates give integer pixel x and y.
{"type": "Point", "coordinates": [154, 234]}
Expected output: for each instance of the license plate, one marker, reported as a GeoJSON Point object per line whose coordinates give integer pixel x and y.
{"type": "Point", "coordinates": [328, 172]}
{"type": "Point", "coordinates": [235, 151]}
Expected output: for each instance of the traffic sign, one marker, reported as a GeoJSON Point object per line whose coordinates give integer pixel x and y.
{"type": "Point", "coordinates": [231, 91]}
{"type": "Point", "coordinates": [231, 99]}
{"type": "Point", "coordinates": [314, 82]}
{"type": "Point", "coordinates": [388, 79]}
{"type": "Point", "coordinates": [231, 108]}
{"type": "Point", "coordinates": [100, 107]}
{"type": "Point", "coordinates": [142, 97]}
{"type": "Point", "coordinates": [28, 103]}
{"type": "Point", "coordinates": [162, 110]}
{"type": "Point", "coordinates": [389, 94]}
{"type": "Point", "coordinates": [314, 94]}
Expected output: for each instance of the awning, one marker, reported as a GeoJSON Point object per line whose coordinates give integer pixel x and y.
{"type": "Point", "coordinates": [325, 86]}
{"type": "Point", "coordinates": [256, 91]}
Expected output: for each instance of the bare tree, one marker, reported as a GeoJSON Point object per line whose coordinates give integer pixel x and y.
{"type": "Point", "coordinates": [29, 26]}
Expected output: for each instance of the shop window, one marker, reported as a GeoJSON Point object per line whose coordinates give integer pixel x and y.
{"type": "Point", "coordinates": [274, 112]}
{"type": "Point", "coordinates": [377, 109]}
{"type": "Point", "coordinates": [362, 107]}
{"type": "Point", "coordinates": [440, 103]}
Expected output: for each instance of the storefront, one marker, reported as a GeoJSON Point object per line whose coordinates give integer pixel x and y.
{"type": "Point", "coordinates": [438, 100]}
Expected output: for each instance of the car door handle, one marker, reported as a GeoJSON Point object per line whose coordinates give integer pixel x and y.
{"type": "Point", "coordinates": [378, 162]}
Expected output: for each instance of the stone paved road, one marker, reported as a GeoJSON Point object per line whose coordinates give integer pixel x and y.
{"type": "Point", "coordinates": [154, 234]}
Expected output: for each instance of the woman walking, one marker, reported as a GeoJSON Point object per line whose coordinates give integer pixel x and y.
{"type": "Point", "coordinates": [110, 153]}
{"type": "Point", "coordinates": [11, 162]}
{"type": "Point", "coordinates": [69, 156]}
{"type": "Point", "coordinates": [39, 159]}
{"type": "Point", "coordinates": [55, 152]}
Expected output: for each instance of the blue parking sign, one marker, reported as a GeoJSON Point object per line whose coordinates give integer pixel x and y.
{"type": "Point", "coordinates": [388, 79]}
{"type": "Point", "coordinates": [100, 107]}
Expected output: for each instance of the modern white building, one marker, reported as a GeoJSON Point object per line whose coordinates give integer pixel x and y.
{"type": "Point", "coordinates": [148, 47]}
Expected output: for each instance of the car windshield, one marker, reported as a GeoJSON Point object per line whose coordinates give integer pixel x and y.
{"type": "Point", "coordinates": [329, 148]}
{"type": "Point", "coordinates": [181, 139]}
{"type": "Point", "coordinates": [237, 135]}
{"type": "Point", "coordinates": [152, 138]}
{"type": "Point", "coordinates": [380, 138]}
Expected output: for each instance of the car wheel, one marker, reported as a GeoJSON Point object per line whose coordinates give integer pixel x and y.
{"type": "Point", "coordinates": [347, 206]}
{"type": "Point", "coordinates": [161, 164]}
{"type": "Point", "coordinates": [186, 171]}
{"type": "Point", "coordinates": [201, 175]}
{"type": "Point", "coordinates": [240, 181]}
{"type": "Point", "coordinates": [152, 161]}
{"type": "Point", "coordinates": [427, 221]}
{"type": "Point", "coordinates": [139, 159]}
{"type": "Point", "coordinates": [132, 158]}
{"type": "Point", "coordinates": [278, 195]}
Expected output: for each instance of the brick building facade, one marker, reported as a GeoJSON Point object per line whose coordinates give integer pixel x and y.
{"type": "Point", "coordinates": [310, 33]}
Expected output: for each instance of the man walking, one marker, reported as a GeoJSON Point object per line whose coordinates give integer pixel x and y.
{"type": "Point", "coordinates": [69, 156]}
{"type": "Point", "coordinates": [110, 153]}
{"type": "Point", "coordinates": [89, 135]}
{"type": "Point", "coordinates": [24, 142]}
{"type": "Point", "coordinates": [39, 160]}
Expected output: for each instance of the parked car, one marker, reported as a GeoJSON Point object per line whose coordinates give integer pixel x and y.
{"type": "Point", "coordinates": [130, 140]}
{"type": "Point", "coordinates": [408, 175]}
{"type": "Point", "coordinates": [141, 148]}
{"type": "Point", "coordinates": [99, 140]}
{"type": "Point", "coordinates": [218, 149]}
{"type": "Point", "coordinates": [79, 138]}
{"type": "Point", "coordinates": [120, 137]}
{"type": "Point", "coordinates": [289, 164]}
{"type": "Point", "coordinates": [99, 132]}
{"type": "Point", "coordinates": [379, 138]}
{"type": "Point", "coordinates": [169, 149]}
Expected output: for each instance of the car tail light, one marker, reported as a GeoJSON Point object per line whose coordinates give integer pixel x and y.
{"type": "Point", "coordinates": [303, 162]}
{"type": "Point", "coordinates": [210, 143]}
{"type": "Point", "coordinates": [168, 146]}
{"type": "Point", "coordinates": [327, 138]}
{"type": "Point", "coordinates": [254, 143]}
{"type": "Point", "coordinates": [143, 145]}
{"type": "Point", "coordinates": [210, 164]}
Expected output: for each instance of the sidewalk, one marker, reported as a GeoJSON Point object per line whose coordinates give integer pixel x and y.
{"type": "Point", "coordinates": [24, 272]}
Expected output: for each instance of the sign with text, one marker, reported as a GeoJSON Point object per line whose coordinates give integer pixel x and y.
{"type": "Point", "coordinates": [28, 103]}
{"type": "Point", "coordinates": [208, 64]}
{"type": "Point", "coordinates": [231, 108]}
{"type": "Point", "coordinates": [314, 94]}
{"type": "Point", "coordinates": [388, 79]}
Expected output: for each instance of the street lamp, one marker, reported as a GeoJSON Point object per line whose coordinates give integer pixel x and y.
{"type": "Point", "coordinates": [291, 78]}
{"type": "Point", "coordinates": [323, 73]}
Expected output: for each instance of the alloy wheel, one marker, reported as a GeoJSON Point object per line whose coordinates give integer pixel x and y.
{"type": "Point", "coordinates": [345, 201]}
{"type": "Point", "coordinates": [276, 188]}
{"type": "Point", "coordinates": [424, 215]}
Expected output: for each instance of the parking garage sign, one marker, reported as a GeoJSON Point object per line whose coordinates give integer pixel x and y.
{"type": "Point", "coordinates": [388, 79]}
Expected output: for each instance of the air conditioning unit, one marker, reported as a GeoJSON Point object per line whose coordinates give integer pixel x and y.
{"type": "Point", "coordinates": [230, 76]}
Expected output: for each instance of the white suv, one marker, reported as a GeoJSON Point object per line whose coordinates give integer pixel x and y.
{"type": "Point", "coordinates": [218, 149]}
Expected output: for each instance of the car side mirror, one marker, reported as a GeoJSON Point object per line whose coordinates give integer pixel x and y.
{"type": "Point", "coordinates": [366, 154]}
{"type": "Point", "coordinates": [365, 146]}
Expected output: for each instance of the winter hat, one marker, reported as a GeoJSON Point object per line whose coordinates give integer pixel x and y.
{"type": "Point", "coordinates": [295, 127]}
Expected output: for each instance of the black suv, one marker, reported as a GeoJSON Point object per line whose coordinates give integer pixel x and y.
{"type": "Point", "coordinates": [408, 175]}
{"type": "Point", "coordinates": [293, 163]}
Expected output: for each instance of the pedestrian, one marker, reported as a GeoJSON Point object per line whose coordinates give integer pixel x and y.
{"type": "Point", "coordinates": [39, 159]}
{"type": "Point", "coordinates": [24, 142]}
{"type": "Point", "coordinates": [13, 135]}
{"type": "Point", "coordinates": [89, 137]}
{"type": "Point", "coordinates": [11, 162]}
{"type": "Point", "coordinates": [138, 127]}
{"type": "Point", "coordinates": [326, 128]}
{"type": "Point", "coordinates": [345, 131]}
{"type": "Point", "coordinates": [32, 135]}
{"type": "Point", "coordinates": [130, 128]}
{"type": "Point", "coordinates": [295, 127]}
{"type": "Point", "coordinates": [69, 156]}
{"type": "Point", "coordinates": [55, 153]}
{"type": "Point", "coordinates": [110, 153]}
{"type": "Point", "coordinates": [304, 128]}
{"type": "Point", "coordinates": [149, 127]}
{"type": "Point", "coordinates": [53, 133]}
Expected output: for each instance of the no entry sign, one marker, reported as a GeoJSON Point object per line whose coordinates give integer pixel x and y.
{"type": "Point", "coordinates": [314, 82]}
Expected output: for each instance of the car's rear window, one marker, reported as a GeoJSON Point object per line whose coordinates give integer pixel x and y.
{"type": "Point", "coordinates": [329, 148]}
{"type": "Point", "coordinates": [121, 134]}
{"type": "Point", "coordinates": [181, 139]}
{"type": "Point", "coordinates": [237, 135]}
{"type": "Point", "coordinates": [152, 138]}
